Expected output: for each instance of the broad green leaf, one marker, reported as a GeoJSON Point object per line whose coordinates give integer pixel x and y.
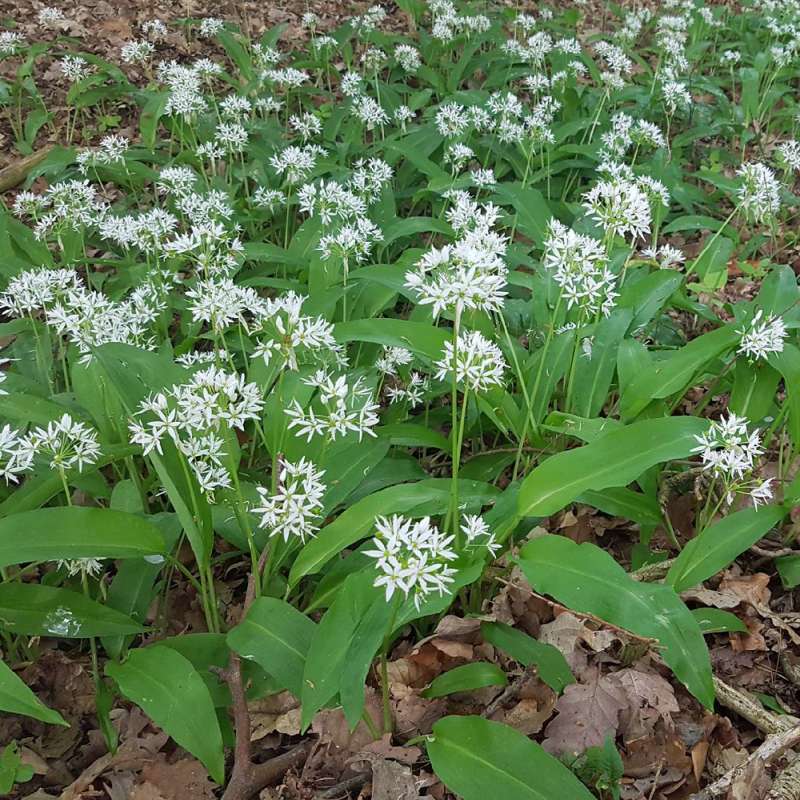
{"type": "Point", "coordinates": [277, 636]}
{"type": "Point", "coordinates": [17, 698]}
{"type": "Point", "coordinates": [719, 545]}
{"type": "Point", "coordinates": [789, 570]}
{"type": "Point", "coordinates": [550, 663]}
{"type": "Point", "coordinates": [418, 337]}
{"type": "Point", "coordinates": [326, 658]}
{"type": "Point", "coordinates": [715, 620]}
{"type": "Point", "coordinates": [36, 610]}
{"type": "Point", "coordinates": [674, 373]}
{"type": "Point", "coordinates": [531, 210]}
{"type": "Point", "coordinates": [586, 578]}
{"type": "Point", "coordinates": [478, 759]}
{"type": "Point", "coordinates": [754, 385]}
{"type": "Point", "coordinates": [409, 434]}
{"type": "Point", "coordinates": [49, 534]}
{"type": "Point", "coordinates": [593, 375]}
{"type": "Point", "coordinates": [622, 502]}
{"type": "Point", "coordinates": [788, 364]}
{"type": "Point", "coordinates": [466, 678]}
{"type": "Point", "coordinates": [616, 459]}
{"type": "Point", "coordinates": [171, 692]}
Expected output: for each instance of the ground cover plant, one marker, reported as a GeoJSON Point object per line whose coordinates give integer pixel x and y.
{"type": "Point", "coordinates": [408, 408]}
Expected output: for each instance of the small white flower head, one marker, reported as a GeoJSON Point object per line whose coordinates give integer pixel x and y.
{"type": "Point", "coordinates": [11, 43]}
{"type": "Point", "coordinates": [154, 29]}
{"type": "Point", "coordinates": [137, 52]}
{"type": "Point", "coordinates": [92, 567]}
{"type": "Point", "coordinates": [411, 557]}
{"type": "Point", "coordinates": [451, 120]}
{"type": "Point", "coordinates": [15, 457]}
{"type": "Point", "coordinates": [666, 256]}
{"type": "Point", "coordinates": [309, 20]}
{"type": "Point", "coordinates": [621, 207]}
{"type": "Point", "coordinates": [392, 358]}
{"type": "Point", "coordinates": [294, 510]}
{"type": "Point", "coordinates": [730, 57]}
{"type": "Point", "coordinates": [66, 442]}
{"type": "Point", "coordinates": [269, 199]}
{"type": "Point", "coordinates": [731, 454]}
{"type": "Point", "coordinates": [759, 193]}
{"type": "Point", "coordinates": [294, 163]}
{"type": "Point", "coordinates": [286, 334]}
{"type": "Point", "coordinates": [579, 265]}
{"type": "Point", "coordinates": [727, 449]}
{"type": "Point", "coordinates": [676, 96]}
{"type": "Point", "coordinates": [477, 533]}
{"type": "Point", "coordinates": [211, 26]}
{"type": "Point", "coordinates": [789, 155]}
{"type": "Point", "coordinates": [50, 17]}
{"type": "Point", "coordinates": [483, 178]}
{"type": "Point", "coordinates": [477, 363]}
{"type": "Point", "coordinates": [353, 240]}
{"type": "Point", "coordinates": [762, 336]}
{"type": "Point", "coordinates": [408, 57]}
{"type": "Point", "coordinates": [74, 68]}
{"type": "Point", "coordinates": [369, 111]}
{"type": "Point", "coordinates": [342, 407]}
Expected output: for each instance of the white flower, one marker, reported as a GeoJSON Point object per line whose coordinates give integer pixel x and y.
{"type": "Point", "coordinates": [211, 26]}
{"type": "Point", "coordinates": [296, 505]}
{"type": "Point", "coordinates": [579, 265]}
{"type": "Point", "coordinates": [407, 57]}
{"type": "Point", "coordinates": [392, 358]}
{"type": "Point", "coordinates": [474, 360]}
{"type": "Point", "coordinates": [411, 557]}
{"type": "Point", "coordinates": [74, 68]}
{"type": "Point", "coordinates": [762, 336]}
{"type": "Point", "coordinates": [789, 154]}
{"type": "Point", "coordinates": [11, 42]}
{"type": "Point", "coordinates": [50, 17]}
{"type": "Point", "coordinates": [477, 533]}
{"type": "Point", "coordinates": [15, 457]}
{"type": "Point", "coordinates": [620, 206]}
{"type": "Point", "coordinates": [346, 407]}
{"type": "Point", "coordinates": [66, 442]}
{"type": "Point", "coordinates": [675, 95]}
{"type": "Point", "coordinates": [137, 52]}
{"type": "Point", "coordinates": [759, 193]}
{"type": "Point", "coordinates": [91, 566]}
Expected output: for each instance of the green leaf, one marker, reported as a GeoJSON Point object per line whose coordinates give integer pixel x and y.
{"type": "Point", "coordinates": [616, 459]}
{"type": "Point", "coordinates": [49, 534]}
{"type": "Point", "coordinates": [418, 337]}
{"type": "Point", "coordinates": [276, 636]}
{"type": "Point", "coordinates": [715, 620]}
{"type": "Point", "coordinates": [719, 544]}
{"type": "Point", "coordinates": [36, 610]}
{"type": "Point", "coordinates": [532, 211]}
{"type": "Point", "coordinates": [171, 692]}
{"type": "Point", "coordinates": [550, 663]}
{"type": "Point", "coordinates": [674, 373]}
{"type": "Point", "coordinates": [17, 698]}
{"type": "Point", "coordinates": [478, 759]}
{"type": "Point", "coordinates": [151, 115]}
{"type": "Point", "coordinates": [586, 578]}
{"type": "Point", "coordinates": [789, 570]}
{"type": "Point", "coordinates": [326, 659]}
{"type": "Point", "coordinates": [465, 679]}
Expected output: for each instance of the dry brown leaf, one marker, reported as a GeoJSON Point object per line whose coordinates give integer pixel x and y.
{"type": "Point", "coordinates": [587, 713]}
{"type": "Point", "coordinates": [753, 589]}
{"type": "Point", "coordinates": [185, 778]}
{"type": "Point", "coordinates": [650, 698]}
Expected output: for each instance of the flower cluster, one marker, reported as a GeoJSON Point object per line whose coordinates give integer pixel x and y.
{"type": "Point", "coordinates": [730, 455]}
{"type": "Point", "coordinates": [476, 363]}
{"type": "Point", "coordinates": [294, 510]}
{"type": "Point", "coordinates": [345, 407]}
{"type": "Point", "coordinates": [412, 557]}
{"type": "Point", "coordinates": [762, 336]}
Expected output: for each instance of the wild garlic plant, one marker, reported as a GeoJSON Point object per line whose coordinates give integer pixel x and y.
{"type": "Point", "coordinates": [345, 319]}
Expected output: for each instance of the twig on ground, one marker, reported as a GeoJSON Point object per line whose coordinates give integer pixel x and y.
{"type": "Point", "coordinates": [343, 788]}
{"type": "Point", "coordinates": [787, 784]}
{"type": "Point", "coordinates": [772, 748]}
{"type": "Point", "coordinates": [751, 710]}
{"type": "Point", "coordinates": [511, 692]}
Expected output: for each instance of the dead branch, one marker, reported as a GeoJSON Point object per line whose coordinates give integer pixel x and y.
{"type": "Point", "coordinates": [15, 173]}
{"type": "Point", "coordinates": [772, 748]}
{"type": "Point", "coordinates": [751, 710]}
{"type": "Point", "coordinates": [787, 784]}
